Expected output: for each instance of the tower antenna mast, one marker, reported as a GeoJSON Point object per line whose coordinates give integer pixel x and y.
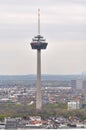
{"type": "Point", "coordinates": [38, 21]}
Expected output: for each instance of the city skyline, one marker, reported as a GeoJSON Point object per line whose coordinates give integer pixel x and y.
{"type": "Point", "coordinates": [63, 24]}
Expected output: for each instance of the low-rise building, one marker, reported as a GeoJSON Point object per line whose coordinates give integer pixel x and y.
{"type": "Point", "coordinates": [10, 123]}
{"type": "Point", "coordinates": [74, 105]}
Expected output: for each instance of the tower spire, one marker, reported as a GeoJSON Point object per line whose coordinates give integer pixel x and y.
{"type": "Point", "coordinates": [38, 21]}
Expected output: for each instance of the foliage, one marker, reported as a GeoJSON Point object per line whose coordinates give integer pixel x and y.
{"type": "Point", "coordinates": [2, 116]}
{"type": "Point", "coordinates": [48, 110]}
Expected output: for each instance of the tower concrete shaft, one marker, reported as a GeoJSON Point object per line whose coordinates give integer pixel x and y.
{"type": "Point", "coordinates": [38, 94]}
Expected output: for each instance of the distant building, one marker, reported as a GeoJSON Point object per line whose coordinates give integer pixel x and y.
{"type": "Point", "coordinates": [74, 105]}
{"type": "Point", "coordinates": [84, 84]}
{"type": "Point", "coordinates": [73, 83]}
{"type": "Point", "coordinates": [79, 84]}
{"type": "Point", "coordinates": [35, 120]}
{"type": "Point", "coordinates": [10, 123]}
{"type": "Point", "coordinates": [38, 118]}
{"type": "Point", "coordinates": [5, 100]}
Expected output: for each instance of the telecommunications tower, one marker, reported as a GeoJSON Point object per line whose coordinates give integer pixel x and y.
{"type": "Point", "coordinates": [38, 43]}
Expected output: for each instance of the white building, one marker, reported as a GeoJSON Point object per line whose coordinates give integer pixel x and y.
{"type": "Point", "coordinates": [74, 105]}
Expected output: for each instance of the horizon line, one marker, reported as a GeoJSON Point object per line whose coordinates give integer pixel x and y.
{"type": "Point", "coordinates": [41, 74]}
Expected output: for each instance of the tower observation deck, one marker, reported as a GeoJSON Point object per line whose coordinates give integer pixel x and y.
{"type": "Point", "coordinates": [38, 43]}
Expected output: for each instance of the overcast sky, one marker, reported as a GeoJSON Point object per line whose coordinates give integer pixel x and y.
{"type": "Point", "coordinates": [63, 24]}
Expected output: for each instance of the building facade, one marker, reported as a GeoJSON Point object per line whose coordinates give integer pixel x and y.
{"type": "Point", "coordinates": [74, 105]}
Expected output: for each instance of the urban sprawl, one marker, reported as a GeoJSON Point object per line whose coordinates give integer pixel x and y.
{"type": "Point", "coordinates": [63, 103]}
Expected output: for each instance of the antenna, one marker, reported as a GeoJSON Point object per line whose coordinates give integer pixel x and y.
{"type": "Point", "coordinates": [38, 21]}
